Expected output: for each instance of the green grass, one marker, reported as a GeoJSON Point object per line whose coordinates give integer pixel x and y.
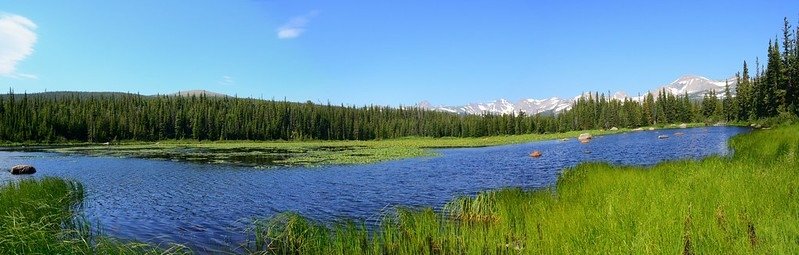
{"type": "Point", "coordinates": [43, 217]}
{"type": "Point", "coordinates": [307, 153]}
{"type": "Point", "coordinates": [746, 204]}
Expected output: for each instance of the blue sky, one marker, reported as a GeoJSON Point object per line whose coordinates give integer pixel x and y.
{"type": "Point", "coordinates": [379, 52]}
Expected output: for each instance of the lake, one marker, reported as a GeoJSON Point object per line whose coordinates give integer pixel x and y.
{"type": "Point", "coordinates": [209, 206]}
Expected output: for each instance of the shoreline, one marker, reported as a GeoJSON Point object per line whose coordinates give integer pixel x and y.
{"type": "Point", "coordinates": [268, 154]}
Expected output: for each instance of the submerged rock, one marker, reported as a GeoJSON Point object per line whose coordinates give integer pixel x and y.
{"type": "Point", "coordinates": [663, 136]}
{"type": "Point", "coordinates": [23, 169]}
{"type": "Point", "coordinates": [535, 154]}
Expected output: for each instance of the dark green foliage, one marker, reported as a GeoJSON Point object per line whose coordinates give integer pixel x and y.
{"type": "Point", "coordinates": [597, 112]}
{"type": "Point", "coordinates": [729, 106]}
{"type": "Point", "coordinates": [710, 105]}
{"type": "Point", "coordinates": [54, 117]}
{"type": "Point", "coordinates": [774, 91]}
{"type": "Point", "coordinates": [101, 118]}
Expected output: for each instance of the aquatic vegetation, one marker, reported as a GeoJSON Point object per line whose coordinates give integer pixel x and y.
{"type": "Point", "coordinates": [305, 153]}
{"type": "Point", "coordinates": [746, 203]}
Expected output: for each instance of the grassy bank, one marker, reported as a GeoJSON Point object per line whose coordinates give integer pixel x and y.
{"type": "Point", "coordinates": [42, 217]}
{"type": "Point", "coordinates": [306, 153]}
{"type": "Point", "coordinates": [745, 204]}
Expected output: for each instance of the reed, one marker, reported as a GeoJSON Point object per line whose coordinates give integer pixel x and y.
{"type": "Point", "coordinates": [42, 216]}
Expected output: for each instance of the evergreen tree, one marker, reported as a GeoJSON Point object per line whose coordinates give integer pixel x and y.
{"type": "Point", "coordinates": [772, 86]}
{"type": "Point", "coordinates": [728, 103]}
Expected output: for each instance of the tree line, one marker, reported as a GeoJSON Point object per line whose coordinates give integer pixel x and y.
{"type": "Point", "coordinates": [76, 116]}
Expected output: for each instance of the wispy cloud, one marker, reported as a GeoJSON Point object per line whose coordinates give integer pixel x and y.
{"type": "Point", "coordinates": [23, 76]}
{"type": "Point", "coordinates": [296, 26]}
{"type": "Point", "coordinates": [17, 38]}
{"type": "Point", "coordinates": [227, 81]}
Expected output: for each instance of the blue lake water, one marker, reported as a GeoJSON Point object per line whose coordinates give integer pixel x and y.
{"type": "Point", "coordinates": [209, 206]}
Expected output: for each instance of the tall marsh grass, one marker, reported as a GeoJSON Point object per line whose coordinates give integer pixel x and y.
{"type": "Point", "coordinates": [42, 216]}
{"type": "Point", "coordinates": [747, 203]}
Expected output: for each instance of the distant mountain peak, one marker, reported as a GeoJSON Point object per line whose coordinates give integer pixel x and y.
{"type": "Point", "coordinates": [694, 85]}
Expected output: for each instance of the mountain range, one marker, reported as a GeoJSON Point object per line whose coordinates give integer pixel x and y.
{"type": "Point", "coordinates": [694, 86]}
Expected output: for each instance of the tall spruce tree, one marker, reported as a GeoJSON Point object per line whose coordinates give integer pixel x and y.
{"type": "Point", "coordinates": [728, 103]}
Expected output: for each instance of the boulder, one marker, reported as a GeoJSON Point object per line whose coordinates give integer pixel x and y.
{"type": "Point", "coordinates": [585, 136]}
{"type": "Point", "coordinates": [614, 129]}
{"type": "Point", "coordinates": [651, 128]}
{"type": "Point", "coordinates": [535, 154]}
{"type": "Point", "coordinates": [683, 125]}
{"type": "Point", "coordinates": [23, 169]}
{"type": "Point", "coordinates": [638, 129]}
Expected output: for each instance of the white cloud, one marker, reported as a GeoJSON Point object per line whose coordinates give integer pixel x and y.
{"type": "Point", "coordinates": [17, 38]}
{"type": "Point", "coordinates": [227, 81]}
{"type": "Point", "coordinates": [296, 26]}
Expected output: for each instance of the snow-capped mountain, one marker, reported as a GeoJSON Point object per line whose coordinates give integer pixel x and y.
{"type": "Point", "coordinates": [695, 86]}
{"type": "Point", "coordinates": [503, 106]}
{"type": "Point", "coordinates": [552, 104]}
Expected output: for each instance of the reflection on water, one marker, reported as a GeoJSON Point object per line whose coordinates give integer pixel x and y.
{"type": "Point", "coordinates": [208, 206]}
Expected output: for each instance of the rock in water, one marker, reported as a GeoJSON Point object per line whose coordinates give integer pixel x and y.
{"type": "Point", "coordinates": [585, 137]}
{"type": "Point", "coordinates": [23, 169]}
{"type": "Point", "coordinates": [535, 154]}
{"type": "Point", "coordinates": [663, 136]}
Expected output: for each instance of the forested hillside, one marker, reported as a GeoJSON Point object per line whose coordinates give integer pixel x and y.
{"type": "Point", "coordinates": [102, 117]}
